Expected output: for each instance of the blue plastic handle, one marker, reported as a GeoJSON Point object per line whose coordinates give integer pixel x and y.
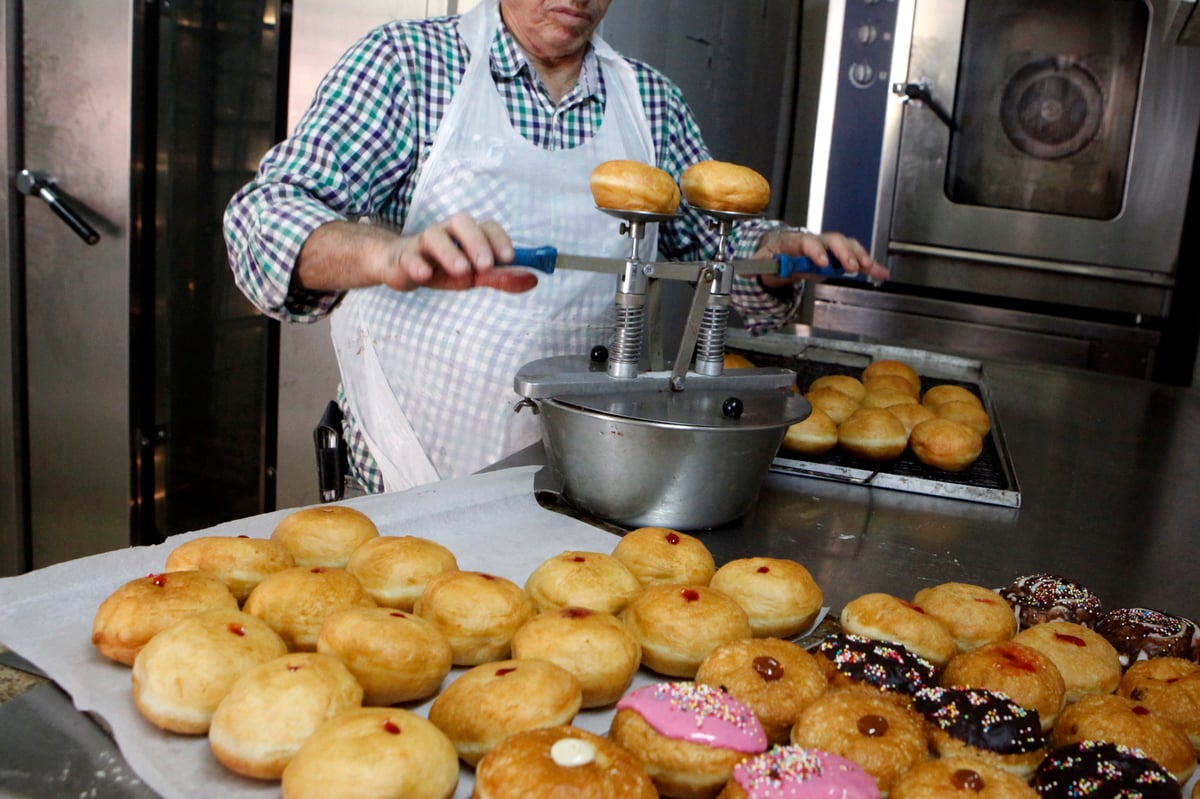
{"type": "Point", "coordinates": [540, 258]}
{"type": "Point", "coordinates": [802, 265]}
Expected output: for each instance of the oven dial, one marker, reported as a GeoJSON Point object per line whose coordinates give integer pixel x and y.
{"type": "Point", "coordinates": [862, 74]}
{"type": "Point", "coordinates": [867, 34]}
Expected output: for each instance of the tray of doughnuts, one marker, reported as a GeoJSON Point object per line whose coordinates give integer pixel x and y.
{"type": "Point", "coordinates": [889, 417]}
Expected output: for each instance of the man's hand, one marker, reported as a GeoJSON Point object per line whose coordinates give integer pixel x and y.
{"type": "Point", "coordinates": [853, 257]}
{"type": "Point", "coordinates": [459, 253]}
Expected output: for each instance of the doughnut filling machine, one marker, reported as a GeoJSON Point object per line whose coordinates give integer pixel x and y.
{"type": "Point", "coordinates": [639, 444]}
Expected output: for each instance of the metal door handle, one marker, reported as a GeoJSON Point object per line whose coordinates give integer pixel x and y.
{"type": "Point", "coordinates": [920, 91]}
{"type": "Point", "coordinates": [41, 185]}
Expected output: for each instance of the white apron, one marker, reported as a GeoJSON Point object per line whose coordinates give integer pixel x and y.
{"type": "Point", "coordinates": [429, 374]}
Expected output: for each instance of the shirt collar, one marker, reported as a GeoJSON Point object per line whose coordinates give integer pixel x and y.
{"type": "Point", "coordinates": [508, 60]}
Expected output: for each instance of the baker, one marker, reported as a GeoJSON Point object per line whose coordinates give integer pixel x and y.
{"type": "Point", "coordinates": [429, 149]}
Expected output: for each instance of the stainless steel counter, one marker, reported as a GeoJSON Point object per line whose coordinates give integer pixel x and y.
{"type": "Point", "coordinates": [1108, 498]}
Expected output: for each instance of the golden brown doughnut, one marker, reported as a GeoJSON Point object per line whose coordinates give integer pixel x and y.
{"type": "Point", "coordinates": [1023, 673]}
{"type": "Point", "coordinates": [324, 535]}
{"type": "Point", "coordinates": [892, 383]}
{"type": "Point", "coordinates": [373, 752]}
{"type": "Point", "coordinates": [873, 434]}
{"type": "Point", "coordinates": [296, 601]}
{"type": "Point", "coordinates": [735, 360]}
{"type": "Point", "coordinates": [477, 612]}
{"type": "Point", "coordinates": [394, 568]}
{"type": "Point", "coordinates": [945, 444]}
{"type": "Point", "coordinates": [776, 679]}
{"type": "Point", "coordinates": [837, 405]}
{"type": "Point", "coordinates": [592, 580]}
{"type": "Point", "coordinates": [779, 595]}
{"type": "Point", "coordinates": [624, 185]}
{"type": "Point", "coordinates": [1087, 662]}
{"type": "Point", "coordinates": [910, 414]}
{"type": "Point", "coordinates": [721, 186]}
{"type": "Point", "coordinates": [274, 707]}
{"type": "Point", "coordinates": [659, 555]}
{"type": "Point", "coordinates": [396, 656]}
{"type": "Point", "coordinates": [689, 737]}
{"type": "Point", "coordinates": [678, 625]}
{"type": "Point", "coordinates": [137, 610]}
{"type": "Point", "coordinates": [883, 617]}
{"type": "Point", "coordinates": [886, 398]}
{"type": "Point", "coordinates": [594, 646]}
{"type": "Point", "coordinates": [971, 414]}
{"type": "Point", "coordinates": [849, 385]}
{"type": "Point", "coordinates": [888, 366]}
{"type": "Point", "coordinates": [183, 672]}
{"type": "Point", "coordinates": [983, 724]}
{"type": "Point", "coordinates": [1118, 720]}
{"type": "Point", "coordinates": [974, 615]}
{"type": "Point", "coordinates": [883, 737]}
{"type": "Point", "coordinates": [241, 562]}
{"type": "Point", "coordinates": [793, 771]}
{"type": "Point", "coordinates": [564, 761]}
{"type": "Point", "coordinates": [956, 777]}
{"type": "Point", "coordinates": [1170, 686]}
{"type": "Point", "coordinates": [492, 701]}
{"type": "Point", "coordinates": [815, 435]}
{"type": "Point", "coordinates": [947, 392]}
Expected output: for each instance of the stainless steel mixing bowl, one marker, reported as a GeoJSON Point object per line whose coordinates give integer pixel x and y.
{"type": "Point", "coordinates": [668, 459]}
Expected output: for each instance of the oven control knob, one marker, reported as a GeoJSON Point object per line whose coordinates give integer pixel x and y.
{"type": "Point", "coordinates": [861, 74]}
{"type": "Point", "coordinates": [866, 34]}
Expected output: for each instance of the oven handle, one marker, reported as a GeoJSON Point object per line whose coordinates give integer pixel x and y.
{"type": "Point", "coordinates": [920, 91]}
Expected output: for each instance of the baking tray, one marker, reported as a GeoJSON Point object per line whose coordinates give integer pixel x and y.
{"type": "Point", "coordinates": [991, 479]}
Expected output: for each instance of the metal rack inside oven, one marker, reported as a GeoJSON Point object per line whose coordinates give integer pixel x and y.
{"type": "Point", "coordinates": [991, 479]}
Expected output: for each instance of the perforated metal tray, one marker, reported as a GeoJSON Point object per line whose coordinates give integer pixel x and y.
{"type": "Point", "coordinates": [991, 479]}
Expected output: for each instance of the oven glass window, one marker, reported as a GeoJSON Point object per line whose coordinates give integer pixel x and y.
{"type": "Point", "coordinates": [1045, 105]}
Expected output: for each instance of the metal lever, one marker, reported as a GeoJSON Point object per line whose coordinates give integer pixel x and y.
{"type": "Point", "coordinates": [920, 91]}
{"type": "Point", "coordinates": [35, 183]}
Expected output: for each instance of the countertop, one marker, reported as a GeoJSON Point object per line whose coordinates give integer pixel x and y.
{"type": "Point", "coordinates": [1105, 466]}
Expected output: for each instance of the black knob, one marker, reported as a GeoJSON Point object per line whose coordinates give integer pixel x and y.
{"type": "Point", "coordinates": [732, 407]}
{"type": "Point", "coordinates": [599, 354]}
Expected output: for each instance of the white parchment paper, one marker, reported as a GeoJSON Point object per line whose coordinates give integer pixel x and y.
{"type": "Point", "coordinates": [491, 522]}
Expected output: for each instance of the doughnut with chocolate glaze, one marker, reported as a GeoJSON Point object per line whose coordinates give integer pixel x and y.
{"type": "Point", "coordinates": [1168, 686]}
{"type": "Point", "coordinates": [776, 679]}
{"type": "Point", "coordinates": [956, 777]}
{"type": "Point", "coordinates": [1020, 672]}
{"type": "Point", "coordinates": [853, 661]}
{"type": "Point", "coordinates": [799, 773]}
{"type": "Point", "coordinates": [780, 595]}
{"type": "Point", "coordinates": [492, 701]}
{"type": "Point", "coordinates": [1108, 717]}
{"type": "Point", "coordinates": [594, 646]}
{"type": "Point", "coordinates": [881, 736]}
{"type": "Point", "coordinates": [689, 737]}
{"type": "Point", "coordinates": [1140, 633]}
{"type": "Point", "coordinates": [660, 555]}
{"type": "Point", "coordinates": [564, 761]}
{"type": "Point", "coordinates": [1102, 769]}
{"type": "Point", "coordinates": [1039, 598]}
{"type": "Point", "coordinates": [1088, 663]}
{"type": "Point", "coordinates": [984, 724]}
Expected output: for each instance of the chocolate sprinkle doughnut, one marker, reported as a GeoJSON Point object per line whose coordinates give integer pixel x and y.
{"type": "Point", "coordinates": [1039, 598]}
{"type": "Point", "coordinates": [1102, 770]}
{"type": "Point", "coordinates": [1141, 633]}
{"type": "Point", "coordinates": [889, 667]}
{"type": "Point", "coordinates": [981, 718]}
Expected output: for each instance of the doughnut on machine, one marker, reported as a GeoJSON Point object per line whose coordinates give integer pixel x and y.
{"type": "Point", "coordinates": [640, 441]}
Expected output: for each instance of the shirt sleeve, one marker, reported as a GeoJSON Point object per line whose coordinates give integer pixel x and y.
{"type": "Point", "coordinates": [337, 164]}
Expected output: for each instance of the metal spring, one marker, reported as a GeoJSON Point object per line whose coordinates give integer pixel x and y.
{"type": "Point", "coordinates": [630, 329]}
{"type": "Point", "coordinates": [710, 342]}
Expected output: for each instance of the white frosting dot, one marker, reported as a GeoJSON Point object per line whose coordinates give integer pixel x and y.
{"type": "Point", "coordinates": [571, 752]}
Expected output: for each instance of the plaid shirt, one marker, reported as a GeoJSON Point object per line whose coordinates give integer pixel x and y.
{"type": "Point", "coordinates": [358, 150]}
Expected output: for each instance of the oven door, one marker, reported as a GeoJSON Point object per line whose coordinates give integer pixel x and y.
{"type": "Point", "coordinates": [1071, 143]}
